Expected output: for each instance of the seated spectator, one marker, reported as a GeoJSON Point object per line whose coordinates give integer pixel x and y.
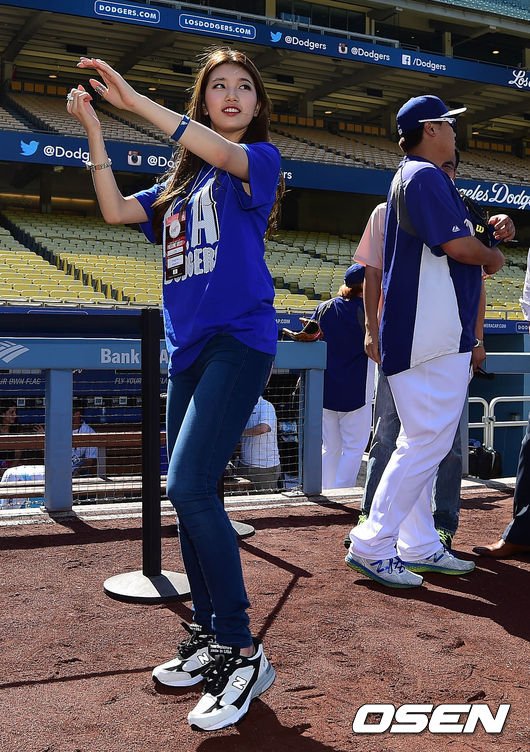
{"type": "Point", "coordinates": [84, 458]}
{"type": "Point", "coordinates": [259, 456]}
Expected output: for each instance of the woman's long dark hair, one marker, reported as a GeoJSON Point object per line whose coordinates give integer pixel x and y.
{"type": "Point", "coordinates": [187, 164]}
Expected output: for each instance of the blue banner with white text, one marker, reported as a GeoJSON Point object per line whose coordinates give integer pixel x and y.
{"type": "Point", "coordinates": [283, 36]}
{"type": "Point", "coordinates": [48, 148]}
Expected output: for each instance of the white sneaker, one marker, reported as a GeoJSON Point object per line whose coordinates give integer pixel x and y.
{"type": "Point", "coordinates": [191, 661]}
{"type": "Point", "coordinates": [231, 682]}
{"type": "Point", "coordinates": [441, 561]}
{"type": "Point", "coordinates": [389, 572]}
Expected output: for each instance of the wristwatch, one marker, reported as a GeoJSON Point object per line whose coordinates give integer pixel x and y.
{"type": "Point", "coordinates": [479, 343]}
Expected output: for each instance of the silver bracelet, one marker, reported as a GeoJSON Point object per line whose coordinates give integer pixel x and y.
{"type": "Point", "coordinates": [101, 166]}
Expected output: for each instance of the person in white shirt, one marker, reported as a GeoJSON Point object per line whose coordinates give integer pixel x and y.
{"type": "Point", "coordinates": [84, 458]}
{"type": "Point", "coordinates": [259, 455]}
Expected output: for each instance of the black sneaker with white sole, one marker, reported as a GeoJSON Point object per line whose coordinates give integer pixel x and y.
{"type": "Point", "coordinates": [231, 682]}
{"type": "Point", "coordinates": [193, 657]}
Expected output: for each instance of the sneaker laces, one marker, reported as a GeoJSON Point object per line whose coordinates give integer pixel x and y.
{"type": "Point", "coordinates": [196, 638]}
{"type": "Point", "coordinates": [220, 668]}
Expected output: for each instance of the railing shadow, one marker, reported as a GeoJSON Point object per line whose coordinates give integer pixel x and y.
{"type": "Point", "coordinates": [82, 533]}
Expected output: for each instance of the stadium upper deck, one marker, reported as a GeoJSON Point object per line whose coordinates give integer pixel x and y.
{"type": "Point", "coordinates": [459, 54]}
{"type": "Point", "coordinates": [336, 75]}
{"type": "Point", "coordinates": [510, 8]}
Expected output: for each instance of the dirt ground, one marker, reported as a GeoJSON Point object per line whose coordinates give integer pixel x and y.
{"type": "Point", "coordinates": [76, 664]}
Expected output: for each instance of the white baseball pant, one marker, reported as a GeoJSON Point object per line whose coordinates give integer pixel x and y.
{"type": "Point", "coordinates": [429, 399]}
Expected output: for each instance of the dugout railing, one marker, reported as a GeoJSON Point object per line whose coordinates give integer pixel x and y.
{"type": "Point", "coordinates": [58, 358]}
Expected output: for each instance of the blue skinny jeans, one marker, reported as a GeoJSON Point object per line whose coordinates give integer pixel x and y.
{"type": "Point", "coordinates": [208, 406]}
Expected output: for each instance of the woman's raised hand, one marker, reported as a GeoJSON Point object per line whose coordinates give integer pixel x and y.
{"type": "Point", "coordinates": [114, 88]}
{"type": "Point", "coordinates": [78, 106]}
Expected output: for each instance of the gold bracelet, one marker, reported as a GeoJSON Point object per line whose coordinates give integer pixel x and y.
{"type": "Point", "coordinates": [102, 166]}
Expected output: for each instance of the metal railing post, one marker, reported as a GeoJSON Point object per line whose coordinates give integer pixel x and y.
{"type": "Point", "coordinates": [312, 446]}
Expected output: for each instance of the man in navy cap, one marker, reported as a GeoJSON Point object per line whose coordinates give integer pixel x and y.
{"type": "Point", "coordinates": [425, 109]}
{"type": "Point", "coordinates": [431, 287]}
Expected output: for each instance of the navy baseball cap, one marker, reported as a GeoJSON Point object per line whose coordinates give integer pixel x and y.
{"type": "Point", "coordinates": [354, 275]}
{"type": "Point", "coordinates": [424, 109]}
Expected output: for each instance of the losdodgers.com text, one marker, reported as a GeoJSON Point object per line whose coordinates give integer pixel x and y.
{"type": "Point", "coordinates": [217, 27]}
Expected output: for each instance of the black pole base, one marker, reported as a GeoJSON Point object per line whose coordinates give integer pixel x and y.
{"type": "Point", "coordinates": [136, 587]}
{"type": "Point", "coordinates": [242, 529]}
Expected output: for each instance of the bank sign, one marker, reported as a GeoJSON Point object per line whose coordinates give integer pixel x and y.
{"type": "Point", "coordinates": [284, 36]}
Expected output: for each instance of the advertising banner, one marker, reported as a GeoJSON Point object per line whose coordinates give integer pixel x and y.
{"type": "Point", "coordinates": [284, 36]}
{"type": "Point", "coordinates": [47, 148]}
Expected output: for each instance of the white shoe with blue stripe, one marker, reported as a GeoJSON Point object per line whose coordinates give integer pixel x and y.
{"type": "Point", "coordinates": [390, 572]}
{"type": "Point", "coordinates": [441, 561]}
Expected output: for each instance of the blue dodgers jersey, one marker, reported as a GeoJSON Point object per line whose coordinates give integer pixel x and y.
{"type": "Point", "coordinates": [430, 300]}
{"type": "Point", "coordinates": [226, 286]}
{"type": "Point", "coordinates": [345, 377]}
